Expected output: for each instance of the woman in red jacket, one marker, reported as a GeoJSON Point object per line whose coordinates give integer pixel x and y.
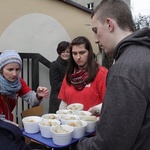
{"type": "Point", "coordinates": [85, 78]}
{"type": "Point", "coordinates": [12, 86]}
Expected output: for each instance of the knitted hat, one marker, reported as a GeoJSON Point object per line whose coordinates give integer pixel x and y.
{"type": "Point", "coordinates": [9, 56]}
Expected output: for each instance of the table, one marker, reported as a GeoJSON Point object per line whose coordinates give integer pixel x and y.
{"type": "Point", "coordinates": [48, 141]}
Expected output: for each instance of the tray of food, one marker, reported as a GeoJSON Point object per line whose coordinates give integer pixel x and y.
{"type": "Point", "coordinates": [49, 141]}
{"type": "Point", "coordinates": [60, 129]}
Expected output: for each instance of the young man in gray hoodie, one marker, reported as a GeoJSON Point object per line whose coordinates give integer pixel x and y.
{"type": "Point", "coordinates": [125, 116]}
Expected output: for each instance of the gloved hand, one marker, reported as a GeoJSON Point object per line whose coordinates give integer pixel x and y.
{"type": "Point", "coordinates": [96, 110]}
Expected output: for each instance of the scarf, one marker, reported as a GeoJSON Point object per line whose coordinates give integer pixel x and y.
{"type": "Point", "coordinates": [9, 88]}
{"type": "Point", "coordinates": [79, 77]}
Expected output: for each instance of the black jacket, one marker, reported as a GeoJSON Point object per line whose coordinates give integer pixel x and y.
{"type": "Point", "coordinates": [57, 72]}
{"type": "Point", "coordinates": [11, 137]}
{"type": "Point", "coordinates": [125, 119]}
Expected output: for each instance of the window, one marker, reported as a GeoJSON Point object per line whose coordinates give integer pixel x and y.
{"type": "Point", "coordinates": [90, 6]}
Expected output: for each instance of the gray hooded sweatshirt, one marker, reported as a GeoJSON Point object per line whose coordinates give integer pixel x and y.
{"type": "Point", "coordinates": [125, 118]}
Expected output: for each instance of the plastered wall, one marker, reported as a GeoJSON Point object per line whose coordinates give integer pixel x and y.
{"type": "Point", "coordinates": [37, 26]}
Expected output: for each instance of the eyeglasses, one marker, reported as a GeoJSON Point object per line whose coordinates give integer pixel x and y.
{"type": "Point", "coordinates": [66, 51]}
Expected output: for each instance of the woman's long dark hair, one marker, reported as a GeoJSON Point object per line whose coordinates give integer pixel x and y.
{"type": "Point", "coordinates": [92, 65]}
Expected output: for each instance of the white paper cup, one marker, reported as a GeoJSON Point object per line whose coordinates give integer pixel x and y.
{"type": "Point", "coordinates": [91, 123]}
{"type": "Point", "coordinates": [30, 124]}
{"type": "Point", "coordinates": [79, 128]}
{"type": "Point", "coordinates": [45, 125]}
{"type": "Point", "coordinates": [62, 139]}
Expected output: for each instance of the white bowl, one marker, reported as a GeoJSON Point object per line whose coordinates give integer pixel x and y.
{"type": "Point", "coordinates": [79, 128]}
{"type": "Point", "coordinates": [45, 125]}
{"type": "Point", "coordinates": [91, 123]}
{"type": "Point", "coordinates": [82, 113]}
{"type": "Point", "coordinates": [62, 138]}
{"type": "Point", "coordinates": [50, 116]}
{"type": "Point", "coordinates": [64, 111]}
{"type": "Point", "coordinates": [65, 118]}
{"type": "Point", "coordinates": [30, 124]}
{"type": "Point", "coordinates": [75, 106]}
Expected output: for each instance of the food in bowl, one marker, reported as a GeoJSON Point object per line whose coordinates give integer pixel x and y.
{"type": "Point", "coordinates": [50, 116]}
{"type": "Point", "coordinates": [64, 111]}
{"type": "Point", "coordinates": [62, 134]}
{"type": "Point", "coordinates": [60, 129]}
{"type": "Point", "coordinates": [77, 123]}
{"type": "Point", "coordinates": [91, 122]}
{"type": "Point", "coordinates": [89, 118]}
{"type": "Point", "coordinates": [79, 128]}
{"type": "Point", "coordinates": [31, 120]}
{"type": "Point", "coordinates": [49, 122]}
{"type": "Point", "coordinates": [45, 125]}
{"type": "Point", "coordinates": [66, 117]}
{"type": "Point", "coordinates": [30, 124]}
{"type": "Point", "coordinates": [83, 113]}
{"type": "Point", "coordinates": [75, 106]}
{"type": "Point", "coordinates": [72, 117]}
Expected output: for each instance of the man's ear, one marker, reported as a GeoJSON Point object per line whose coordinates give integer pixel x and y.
{"type": "Point", "coordinates": [110, 24]}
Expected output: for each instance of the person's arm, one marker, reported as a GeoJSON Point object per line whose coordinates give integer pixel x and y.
{"type": "Point", "coordinates": [62, 105]}
{"type": "Point", "coordinates": [31, 97]}
{"type": "Point", "coordinates": [42, 92]}
{"type": "Point", "coordinates": [121, 118]}
{"type": "Point", "coordinates": [2, 117]}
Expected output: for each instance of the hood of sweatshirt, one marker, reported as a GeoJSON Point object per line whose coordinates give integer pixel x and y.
{"type": "Point", "coordinates": [140, 37]}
